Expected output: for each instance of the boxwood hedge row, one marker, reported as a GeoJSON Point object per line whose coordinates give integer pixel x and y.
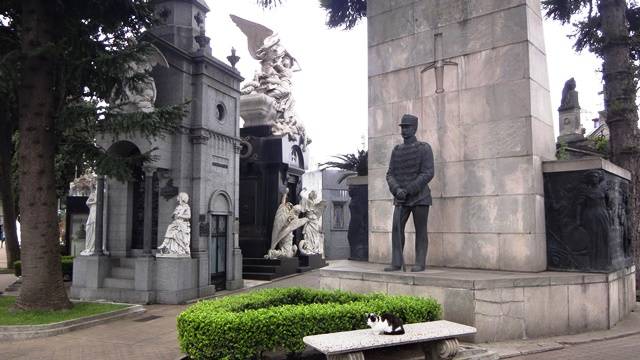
{"type": "Point", "coordinates": [243, 326]}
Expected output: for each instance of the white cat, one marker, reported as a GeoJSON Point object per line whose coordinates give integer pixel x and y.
{"type": "Point", "coordinates": [386, 324]}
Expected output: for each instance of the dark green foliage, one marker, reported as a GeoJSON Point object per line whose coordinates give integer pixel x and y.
{"type": "Point", "coordinates": [242, 326]}
{"type": "Point", "coordinates": [585, 18]}
{"type": "Point", "coordinates": [340, 13]}
{"type": "Point", "coordinates": [350, 162]}
{"type": "Point", "coordinates": [66, 263]}
{"type": "Point", "coordinates": [602, 144]}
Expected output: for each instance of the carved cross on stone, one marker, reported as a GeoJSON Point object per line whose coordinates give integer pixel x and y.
{"type": "Point", "coordinates": [438, 64]}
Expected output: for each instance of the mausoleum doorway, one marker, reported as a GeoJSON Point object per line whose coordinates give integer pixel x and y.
{"type": "Point", "coordinates": [219, 236]}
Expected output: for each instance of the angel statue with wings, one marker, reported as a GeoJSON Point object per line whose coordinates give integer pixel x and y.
{"type": "Point", "coordinates": [313, 241]}
{"type": "Point", "coordinates": [137, 91]}
{"type": "Point", "coordinates": [274, 77]}
{"type": "Point", "coordinates": [286, 221]}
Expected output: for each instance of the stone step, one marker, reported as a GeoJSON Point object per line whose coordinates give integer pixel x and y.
{"type": "Point", "coordinates": [118, 283]}
{"type": "Point", "coordinates": [128, 263]}
{"type": "Point", "coordinates": [261, 261]}
{"type": "Point", "coordinates": [122, 273]}
{"type": "Point", "coordinates": [259, 268]}
{"type": "Point", "coordinates": [258, 276]}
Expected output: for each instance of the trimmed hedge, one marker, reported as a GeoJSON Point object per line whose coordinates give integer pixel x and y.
{"type": "Point", "coordinates": [66, 263]}
{"type": "Point", "coordinates": [243, 326]}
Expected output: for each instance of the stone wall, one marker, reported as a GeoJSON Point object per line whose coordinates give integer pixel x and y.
{"type": "Point", "coordinates": [489, 123]}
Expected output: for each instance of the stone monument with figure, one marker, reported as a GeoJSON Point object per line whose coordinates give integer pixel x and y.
{"type": "Point", "coordinates": [177, 239]}
{"type": "Point", "coordinates": [410, 171]}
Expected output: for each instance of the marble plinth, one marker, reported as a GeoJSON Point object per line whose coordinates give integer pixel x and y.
{"type": "Point", "coordinates": [502, 305]}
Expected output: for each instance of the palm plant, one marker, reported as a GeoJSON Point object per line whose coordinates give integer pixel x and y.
{"type": "Point", "coordinates": [353, 164]}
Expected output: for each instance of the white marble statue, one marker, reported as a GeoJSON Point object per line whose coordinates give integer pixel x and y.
{"type": "Point", "coordinates": [83, 185]}
{"type": "Point", "coordinates": [274, 78]}
{"type": "Point", "coordinates": [177, 239]}
{"type": "Point", "coordinates": [141, 96]}
{"type": "Point", "coordinates": [285, 222]}
{"type": "Point", "coordinates": [90, 226]}
{"type": "Point", "coordinates": [313, 238]}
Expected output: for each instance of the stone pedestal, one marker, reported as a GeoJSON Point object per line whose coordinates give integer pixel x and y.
{"type": "Point", "coordinates": [257, 110]}
{"type": "Point", "coordinates": [502, 305]}
{"type": "Point", "coordinates": [588, 217]}
{"type": "Point", "coordinates": [175, 279]}
{"type": "Point", "coordinates": [570, 127]}
{"type": "Point", "coordinates": [89, 271]}
{"type": "Point", "coordinates": [269, 164]}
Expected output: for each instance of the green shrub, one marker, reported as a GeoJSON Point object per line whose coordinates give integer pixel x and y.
{"type": "Point", "coordinates": [66, 263]}
{"type": "Point", "coordinates": [243, 326]}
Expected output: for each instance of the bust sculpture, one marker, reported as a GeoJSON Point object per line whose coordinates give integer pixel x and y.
{"type": "Point", "coordinates": [177, 239]}
{"type": "Point", "coordinates": [410, 171]}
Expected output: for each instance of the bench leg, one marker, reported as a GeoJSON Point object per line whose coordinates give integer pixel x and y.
{"type": "Point", "coordinates": [350, 356]}
{"type": "Point", "coordinates": [440, 350]}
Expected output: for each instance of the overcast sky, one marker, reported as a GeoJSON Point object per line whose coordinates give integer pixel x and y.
{"type": "Point", "coordinates": [331, 90]}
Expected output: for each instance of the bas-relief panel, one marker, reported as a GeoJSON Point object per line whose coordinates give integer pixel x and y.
{"type": "Point", "coordinates": [587, 221]}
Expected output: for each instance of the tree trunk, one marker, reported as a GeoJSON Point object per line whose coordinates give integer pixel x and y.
{"type": "Point", "coordinates": [6, 192]}
{"type": "Point", "coordinates": [619, 102]}
{"type": "Point", "coordinates": [42, 285]}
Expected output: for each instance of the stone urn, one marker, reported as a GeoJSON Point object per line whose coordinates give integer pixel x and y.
{"type": "Point", "coordinates": [358, 233]}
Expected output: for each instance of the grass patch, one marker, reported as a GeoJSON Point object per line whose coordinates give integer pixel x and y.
{"type": "Point", "coordinates": [8, 316]}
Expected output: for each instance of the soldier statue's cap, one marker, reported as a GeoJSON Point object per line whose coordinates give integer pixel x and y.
{"type": "Point", "coordinates": [409, 120]}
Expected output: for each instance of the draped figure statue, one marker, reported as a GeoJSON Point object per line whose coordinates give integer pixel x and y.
{"type": "Point", "coordinates": [177, 239]}
{"type": "Point", "coordinates": [285, 222]}
{"type": "Point", "coordinates": [313, 241]}
{"type": "Point", "coordinates": [90, 226]}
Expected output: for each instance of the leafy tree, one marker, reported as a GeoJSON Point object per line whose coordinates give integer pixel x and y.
{"type": "Point", "coordinates": [340, 13]}
{"type": "Point", "coordinates": [8, 127]}
{"type": "Point", "coordinates": [611, 29]}
{"type": "Point", "coordinates": [70, 54]}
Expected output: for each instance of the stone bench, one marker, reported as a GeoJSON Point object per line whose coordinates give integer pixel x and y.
{"type": "Point", "coordinates": [438, 340]}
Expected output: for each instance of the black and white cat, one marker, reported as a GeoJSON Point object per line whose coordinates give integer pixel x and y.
{"type": "Point", "coordinates": [387, 324]}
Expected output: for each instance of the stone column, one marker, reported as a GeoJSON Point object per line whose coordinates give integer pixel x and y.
{"type": "Point", "coordinates": [99, 215]}
{"type": "Point", "coordinates": [148, 207]}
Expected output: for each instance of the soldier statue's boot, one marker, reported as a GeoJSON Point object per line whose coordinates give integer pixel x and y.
{"type": "Point", "coordinates": [417, 268]}
{"type": "Point", "coordinates": [393, 268]}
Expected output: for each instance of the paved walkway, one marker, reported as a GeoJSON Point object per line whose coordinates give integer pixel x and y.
{"type": "Point", "coordinates": [152, 335]}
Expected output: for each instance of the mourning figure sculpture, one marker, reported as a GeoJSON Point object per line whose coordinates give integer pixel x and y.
{"type": "Point", "coordinates": [569, 96]}
{"type": "Point", "coordinates": [410, 171]}
{"type": "Point", "coordinates": [177, 239]}
{"type": "Point", "coordinates": [592, 215]}
{"type": "Point", "coordinates": [313, 238]}
{"type": "Point", "coordinates": [90, 226]}
{"type": "Point", "coordinates": [132, 96]}
{"type": "Point", "coordinates": [285, 222]}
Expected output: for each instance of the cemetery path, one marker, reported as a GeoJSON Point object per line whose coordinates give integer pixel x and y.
{"type": "Point", "coordinates": [151, 335]}
{"type": "Point", "coordinates": [626, 348]}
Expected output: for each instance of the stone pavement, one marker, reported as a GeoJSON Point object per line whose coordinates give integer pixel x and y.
{"type": "Point", "coordinates": [152, 335]}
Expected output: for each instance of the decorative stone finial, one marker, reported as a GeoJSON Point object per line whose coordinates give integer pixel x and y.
{"type": "Point", "coordinates": [233, 58]}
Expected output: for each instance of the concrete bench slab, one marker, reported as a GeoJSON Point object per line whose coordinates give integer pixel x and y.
{"type": "Point", "coordinates": [439, 339]}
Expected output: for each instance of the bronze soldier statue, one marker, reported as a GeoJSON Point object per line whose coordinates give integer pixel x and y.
{"type": "Point", "coordinates": [410, 170]}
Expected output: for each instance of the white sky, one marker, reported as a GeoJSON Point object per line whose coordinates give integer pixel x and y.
{"type": "Point", "coordinates": [331, 90]}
